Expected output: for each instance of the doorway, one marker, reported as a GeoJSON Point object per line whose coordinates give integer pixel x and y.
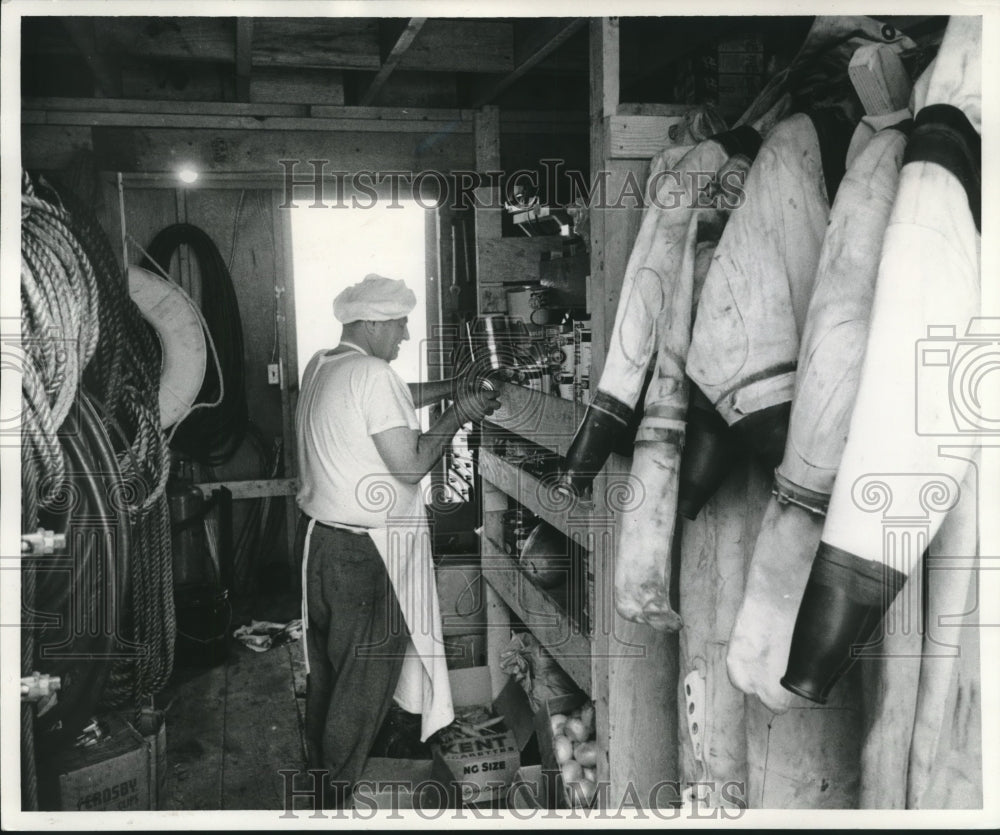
{"type": "Point", "coordinates": [335, 248]}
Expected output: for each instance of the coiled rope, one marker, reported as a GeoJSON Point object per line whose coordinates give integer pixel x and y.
{"type": "Point", "coordinates": [78, 322]}
{"type": "Point", "coordinates": [59, 332]}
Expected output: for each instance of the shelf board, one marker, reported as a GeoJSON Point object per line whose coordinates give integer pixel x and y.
{"type": "Point", "coordinates": [564, 513]}
{"type": "Point", "coordinates": [547, 419]}
{"type": "Point", "coordinates": [547, 621]}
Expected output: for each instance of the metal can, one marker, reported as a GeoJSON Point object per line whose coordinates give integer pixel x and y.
{"type": "Point", "coordinates": [566, 386]}
{"type": "Point", "coordinates": [529, 303]}
{"type": "Point", "coordinates": [567, 352]}
{"type": "Point", "coordinates": [532, 376]}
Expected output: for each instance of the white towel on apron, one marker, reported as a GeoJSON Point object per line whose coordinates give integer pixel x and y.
{"type": "Point", "coordinates": [405, 546]}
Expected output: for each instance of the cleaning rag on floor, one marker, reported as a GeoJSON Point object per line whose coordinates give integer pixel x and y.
{"type": "Point", "coordinates": [262, 635]}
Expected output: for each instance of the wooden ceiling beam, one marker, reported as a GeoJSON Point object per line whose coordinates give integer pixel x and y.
{"type": "Point", "coordinates": [244, 53]}
{"type": "Point", "coordinates": [320, 43]}
{"type": "Point", "coordinates": [240, 116]}
{"type": "Point", "coordinates": [208, 39]}
{"type": "Point", "coordinates": [396, 37]}
{"type": "Point", "coordinates": [474, 45]}
{"type": "Point", "coordinates": [533, 42]}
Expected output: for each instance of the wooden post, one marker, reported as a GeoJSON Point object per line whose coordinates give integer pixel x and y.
{"type": "Point", "coordinates": [604, 68]}
{"type": "Point", "coordinates": [488, 220]}
{"type": "Point", "coordinates": [634, 668]}
{"type": "Point", "coordinates": [288, 359]}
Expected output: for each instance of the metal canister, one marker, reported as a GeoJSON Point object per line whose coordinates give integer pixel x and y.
{"type": "Point", "coordinates": [532, 376]}
{"type": "Point", "coordinates": [567, 352]}
{"type": "Point", "coordinates": [529, 303]}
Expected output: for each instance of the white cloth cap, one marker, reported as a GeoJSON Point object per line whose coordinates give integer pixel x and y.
{"type": "Point", "coordinates": [375, 299]}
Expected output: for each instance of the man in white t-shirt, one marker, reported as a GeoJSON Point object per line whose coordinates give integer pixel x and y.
{"type": "Point", "coordinates": [361, 458]}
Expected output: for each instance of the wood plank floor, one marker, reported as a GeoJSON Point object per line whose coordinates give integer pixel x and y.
{"type": "Point", "coordinates": [231, 728]}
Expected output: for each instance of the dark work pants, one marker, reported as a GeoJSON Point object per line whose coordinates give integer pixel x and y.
{"type": "Point", "coordinates": [356, 641]}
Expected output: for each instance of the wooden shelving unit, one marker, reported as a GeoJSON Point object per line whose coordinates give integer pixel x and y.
{"type": "Point", "coordinates": [541, 612]}
{"type": "Point", "coordinates": [548, 420]}
{"type": "Point", "coordinates": [630, 671]}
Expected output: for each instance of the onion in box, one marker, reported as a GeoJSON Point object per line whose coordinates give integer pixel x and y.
{"type": "Point", "coordinates": [582, 792]}
{"type": "Point", "coordinates": [563, 749]}
{"type": "Point", "coordinates": [576, 730]}
{"type": "Point", "coordinates": [585, 753]}
{"type": "Point", "coordinates": [572, 772]}
{"type": "Point", "coordinates": [558, 721]}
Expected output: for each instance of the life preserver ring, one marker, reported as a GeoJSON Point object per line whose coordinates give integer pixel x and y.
{"type": "Point", "coordinates": [174, 316]}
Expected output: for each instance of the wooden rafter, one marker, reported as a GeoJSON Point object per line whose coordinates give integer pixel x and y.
{"type": "Point", "coordinates": [244, 52]}
{"type": "Point", "coordinates": [533, 42]}
{"type": "Point", "coordinates": [397, 40]}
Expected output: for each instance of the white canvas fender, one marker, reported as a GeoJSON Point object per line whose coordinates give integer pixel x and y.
{"type": "Point", "coordinates": [753, 306]}
{"type": "Point", "coordinates": [177, 322]}
{"type": "Point", "coordinates": [928, 278]}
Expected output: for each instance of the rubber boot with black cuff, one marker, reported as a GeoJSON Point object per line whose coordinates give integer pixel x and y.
{"type": "Point", "coordinates": [843, 604]}
{"type": "Point", "coordinates": [764, 433]}
{"type": "Point", "coordinates": [710, 450]}
{"type": "Point", "coordinates": [606, 418]}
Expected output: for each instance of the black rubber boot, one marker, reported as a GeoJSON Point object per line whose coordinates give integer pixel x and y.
{"type": "Point", "coordinates": [593, 442]}
{"type": "Point", "coordinates": [710, 450]}
{"type": "Point", "coordinates": [764, 433]}
{"type": "Point", "coordinates": [841, 608]}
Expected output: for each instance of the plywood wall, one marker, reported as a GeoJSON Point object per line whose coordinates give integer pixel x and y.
{"type": "Point", "coordinates": [245, 226]}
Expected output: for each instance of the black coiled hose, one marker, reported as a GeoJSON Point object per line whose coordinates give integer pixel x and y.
{"type": "Point", "coordinates": [211, 435]}
{"type": "Point", "coordinates": [91, 507]}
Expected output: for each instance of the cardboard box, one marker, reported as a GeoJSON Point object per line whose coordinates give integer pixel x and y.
{"type": "Point", "coordinates": [530, 789]}
{"type": "Point", "coordinates": [115, 774]}
{"type": "Point", "coordinates": [483, 768]}
{"type": "Point", "coordinates": [555, 796]}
